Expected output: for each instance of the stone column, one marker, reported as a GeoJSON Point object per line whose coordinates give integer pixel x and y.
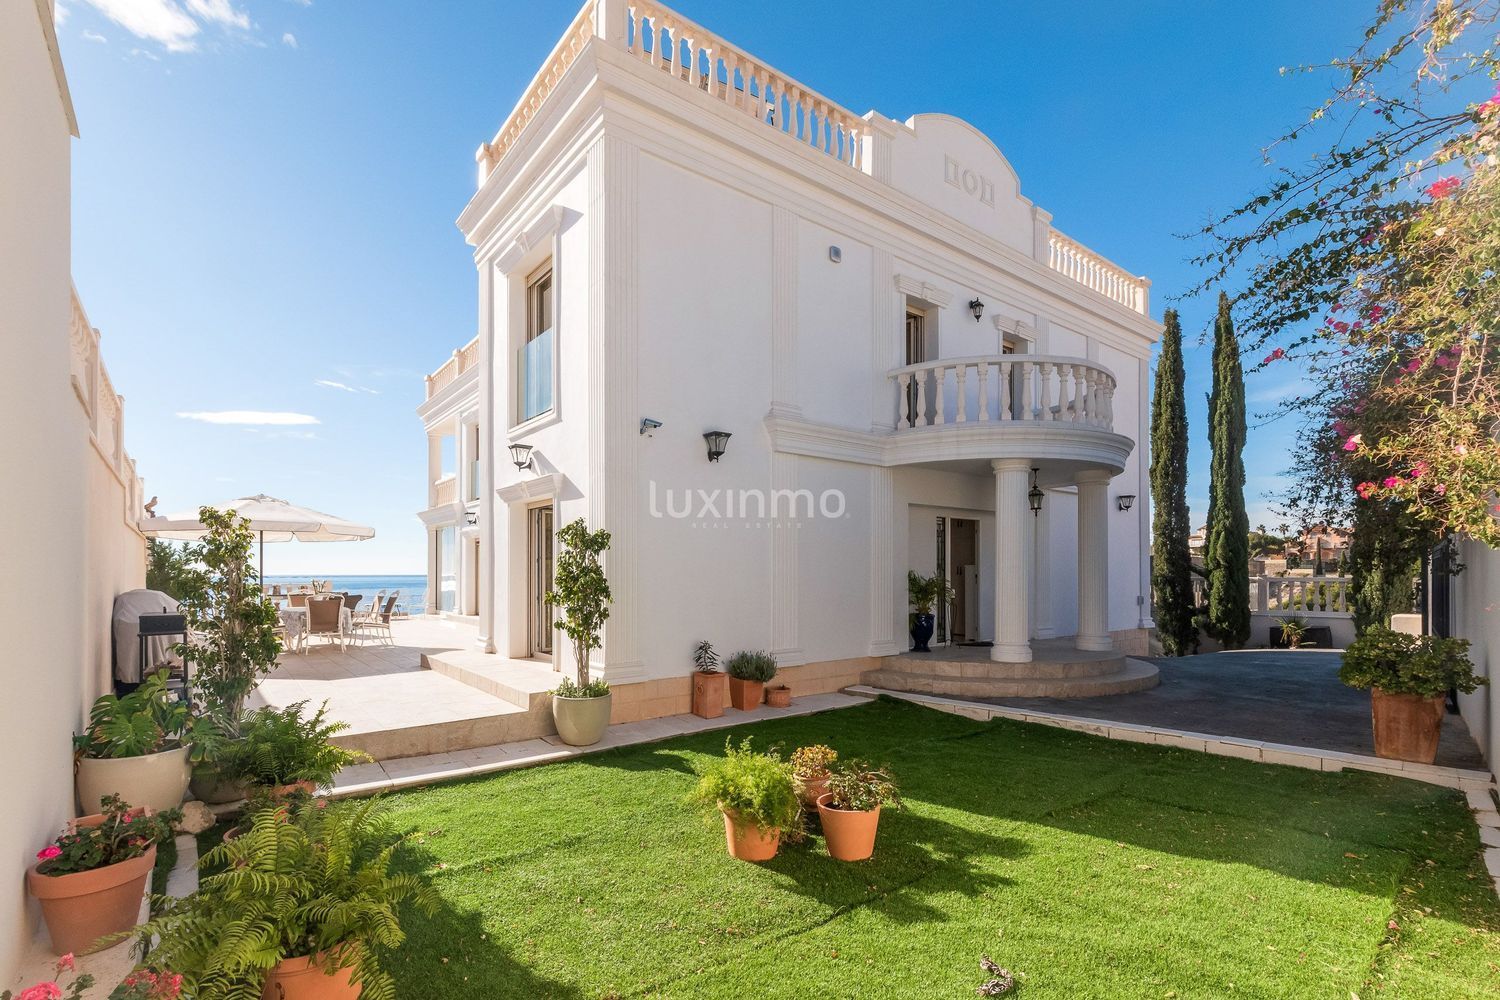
{"type": "Point", "coordinates": [1013, 533]}
{"type": "Point", "coordinates": [1093, 561]}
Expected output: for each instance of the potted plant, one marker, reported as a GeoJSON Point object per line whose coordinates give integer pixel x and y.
{"type": "Point", "coordinates": [232, 638]}
{"type": "Point", "coordinates": [286, 750]}
{"type": "Point", "coordinates": [850, 810]}
{"type": "Point", "coordinates": [709, 685]}
{"type": "Point", "coordinates": [756, 797]}
{"type": "Point", "coordinates": [748, 672]}
{"type": "Point", "coordinates": [580, 592]}
{"type": "Point", "coordinates": [779, 696]}
{"type": "Point", "coordinates": [138, 747]}
{"type": "Point", "coordinates": [924, 592]}
{"type": "Point", "coordinates": [1409, 677]}
{"type": "Point", "coordinates": [323, 931]}
{"type": "Point", "coordinates": [90, 881]}
{"type": "Point", "coordinates": [810, 772]}
{"type": "Point", "coordinates": [1288, 633]}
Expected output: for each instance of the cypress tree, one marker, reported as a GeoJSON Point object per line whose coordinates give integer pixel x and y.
{"type": "Point", "coordinates": [1227, 547]}
{"type": "Point", "coordinates": [1171, 562]}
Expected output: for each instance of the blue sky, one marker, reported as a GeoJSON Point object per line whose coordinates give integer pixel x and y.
{"type": "Point", "coordinates": [264, 196]}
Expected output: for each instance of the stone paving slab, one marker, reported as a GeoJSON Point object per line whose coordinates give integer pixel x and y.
{"type": "Point", "coordinates": [410, 772]}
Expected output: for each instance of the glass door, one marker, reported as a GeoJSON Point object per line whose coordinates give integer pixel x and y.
{"type": "Point", "coordinates": [541, 579]}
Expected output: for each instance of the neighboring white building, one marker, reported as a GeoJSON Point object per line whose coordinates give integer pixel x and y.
{"type": "Point", "coordinates": [68, 536]}
{"type": "Point", "coordinates": [672, 238]}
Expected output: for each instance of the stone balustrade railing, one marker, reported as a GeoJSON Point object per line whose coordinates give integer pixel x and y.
{"type": "Point", "coordinates": [103, 408]}
{"type": "Point", "coordinates": [463, 359]}
{"type": "Point", "coordinates": [1004, 387]}
{"type": "Point", "coordinates": [445, 490]}
{"type": "Point", "coordinates": [1303, 596]}
{"type": "Point", "coordinates": [1076, 261]}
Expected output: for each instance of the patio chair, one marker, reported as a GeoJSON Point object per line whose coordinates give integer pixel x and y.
{"type": "Point", "coordinates": [297, 600]}
{"type": "Point", "coordinates": [379, 621]}
{"type": "Point", "coordinates": [372, 610]}
{"type": "Point", "coordinates": [325, 617]}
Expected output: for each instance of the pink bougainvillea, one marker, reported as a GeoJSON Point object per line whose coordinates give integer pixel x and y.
{"type": "Point", "coordinates": [1443, 187]}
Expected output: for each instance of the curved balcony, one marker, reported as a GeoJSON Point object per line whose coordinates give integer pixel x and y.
{"type": "Point", "coordinates": [1007, 406]}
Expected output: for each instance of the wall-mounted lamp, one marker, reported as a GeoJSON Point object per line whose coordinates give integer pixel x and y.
{"type": "Point", "coordinates": [976, 307]}
{"type": "Point", "coordinates": [1126, 500]}
{"type": "Point", "coordinates": [520, 454]}
{"type": "Point", "coordinates": [472, 517]}
{"type": "Point", "coordinates": [1034, 496]}
{"type": "Point", "coordinates": [717, 442]}
{"type": "Point", "coordinates": [648, 425]}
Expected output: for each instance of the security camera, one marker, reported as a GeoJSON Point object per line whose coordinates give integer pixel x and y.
{"type": "Point", "coordinates": [648, 425]}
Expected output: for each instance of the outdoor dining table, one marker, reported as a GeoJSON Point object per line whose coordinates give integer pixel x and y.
{"type": "Point", "coordinates": [294, 620]}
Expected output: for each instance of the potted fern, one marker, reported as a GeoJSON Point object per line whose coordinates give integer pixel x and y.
{"type": "Point", "coordinates": [286, 750]}
{"type": "Point", "coordinates": [580, 591]}
{"type": "Point", "coordinates": [1409, 677]}
{"type": "Point", "coordinates": [138, 747]}
{"type": "Point", "coordinates": [924, 593]}
{"type": "Point", "coordinates": [756, 797]}
{"type": "Point", "coordinates": [748, 672]}
{"type": "Point", "coordinates": [849, 810]}
{"type": "Point", "coordinates": [709, 685]}
{"type": "Point", "coordinates": [320, 935]}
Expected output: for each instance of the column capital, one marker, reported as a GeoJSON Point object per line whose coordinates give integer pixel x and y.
{"type": "Point", "coordinates": [1093, 476]}
{"type": "Point", "coordinates": [1010, 464]}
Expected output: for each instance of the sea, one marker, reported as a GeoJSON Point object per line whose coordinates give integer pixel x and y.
{"type": "Point", "coordinates": [413, 588]}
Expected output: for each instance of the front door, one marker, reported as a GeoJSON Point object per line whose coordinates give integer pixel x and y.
{"type": "Point", "coordinates": [540, 549]}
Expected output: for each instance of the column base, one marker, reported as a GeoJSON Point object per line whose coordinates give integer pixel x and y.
{"type": "Point", "coordinates": [1011, 652]}
{"type": "Point", "coordinates": [1094, 643]}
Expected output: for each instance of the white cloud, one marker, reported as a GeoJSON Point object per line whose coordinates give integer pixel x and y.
{"type": "Point", "coordinates": [289, 40]}
{"type": "Point", "coordinates": [94, 36]}
{"type": "Point", "coordinates": [60, 14]}
{"type": "Point", "coordinates": [219, 11]}
{"type": "Point", "coordinates": [303, 3]}
{"type": "Point", "coordinates": [155, 20]}
{"type": "Point", "coordinates": [248, 417]}
{"type": "Point", "coordinates": [330, 384]}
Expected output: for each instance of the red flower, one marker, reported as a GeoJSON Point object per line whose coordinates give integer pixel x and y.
{"type": "Point", "coordinates": [1419, 470]}
{"type": "Point", "coordinates": [1365, 490]}
{"type": "Point", "coordinates": [1275, 355]}
{"type": "Point", "coordinates": [48, 853]}
{"type": "Point", "coordinates": [1391, 482]}
{"type": "Point", "coordinates": [1442, 188]}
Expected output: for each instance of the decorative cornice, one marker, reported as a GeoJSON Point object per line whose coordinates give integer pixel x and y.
{"type": "Point", "coordinates": [554, 219]}
{"type": "Point", "coordinates": [924, 290]}
{"type": "Point", "coordinates": [548, 487]}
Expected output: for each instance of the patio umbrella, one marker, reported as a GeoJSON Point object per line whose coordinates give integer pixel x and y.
{"type": "Point", "coordinates": [273, 519]}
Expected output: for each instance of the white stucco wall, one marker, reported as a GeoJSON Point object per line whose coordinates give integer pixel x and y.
{"type": "Point", "coordinates": [1477, 618]}
{"type": "Point", "coordinates": [42, 512]}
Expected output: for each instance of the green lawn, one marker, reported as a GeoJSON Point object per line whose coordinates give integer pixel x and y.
{"type": "Point", "coordinates": [1090, 868]}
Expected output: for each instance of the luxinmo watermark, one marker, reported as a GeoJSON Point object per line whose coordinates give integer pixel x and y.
{"type": "Point", "coordinates": [748, 506]}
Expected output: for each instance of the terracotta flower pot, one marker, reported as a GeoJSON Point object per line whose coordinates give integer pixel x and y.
{"type": "Point", "coordinates": [708, 694]}
{"type": "Point", "coordinates": [850, 834]}
{"type": "Point", "coordinates": [287, 791]}
{"type": "Point", "coordinates": [84, 907]}
{"type": "Point", "coordinates": [1407, 726]}
{"type": "Point", "coordinates": [300, 979]}
{"type": "Point", "coordinates": [208, 785]}
{"type": "Point", "coordinates": [779, 696]}
{"type": "Point", "coordinates": [746, 840]}
{"type": "Point", "coordinates": [810, 789]}
{"type": "Point", "coordinates": [745, 695]}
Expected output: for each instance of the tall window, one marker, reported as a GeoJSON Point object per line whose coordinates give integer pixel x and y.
{"type": "Point", "coordinates": [447, 566]}
{"type": "Point", "coordinates": [534, 366]}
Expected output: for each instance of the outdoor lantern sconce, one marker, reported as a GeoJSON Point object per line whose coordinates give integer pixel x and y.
{"type": "Point", "coordinates": [1034, 497]}
{"type": "Point", "coordinates": [472, 517]}
{"type": "Point", "coordinates": [1126, 500]}
{"type": "Point", "coordinates": [717, 442]}
{"type": "Point", "coordinates": [976, 307]}
{"type": "Point", "coordinates": [520, 455]}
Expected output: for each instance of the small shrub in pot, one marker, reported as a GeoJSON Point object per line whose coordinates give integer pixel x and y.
{"type": "Point", "coordinates": [748, 672]}
{"type": "Point", "coordinates": [140, 746]}
{"type": "Point", "coordinates": [756, 796]}
{"type": "Point", "coordinates": [850, 809]}
{"type": "Point", "coordinates": [1409, 677]}
{"type": "Point", "coordinates": [285, 748]}
{"type": "Point", "coordinates": [709, 685]}
{"type": "Point", "coordinates": [810, 771]}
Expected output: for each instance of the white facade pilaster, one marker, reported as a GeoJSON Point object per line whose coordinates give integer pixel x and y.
{"type": "Point", "coordinates": [883, 573]}
{"type": "Point", "coordinates": [1093, 561]}
{"type": "Point", "coordinates": [1013, 534]}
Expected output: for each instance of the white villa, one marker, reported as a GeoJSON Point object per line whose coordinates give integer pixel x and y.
{"type": "Point", "coordinates": [914, 370]}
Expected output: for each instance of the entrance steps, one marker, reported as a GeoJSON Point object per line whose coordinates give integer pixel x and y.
{"type": "Point", "coordinates": [461, 700]}
{"type": "Point", "coordinates": [1056, 671]}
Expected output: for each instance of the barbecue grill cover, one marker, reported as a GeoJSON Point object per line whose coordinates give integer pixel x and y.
{"type": "Point", "coordinates": [129, 607]}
